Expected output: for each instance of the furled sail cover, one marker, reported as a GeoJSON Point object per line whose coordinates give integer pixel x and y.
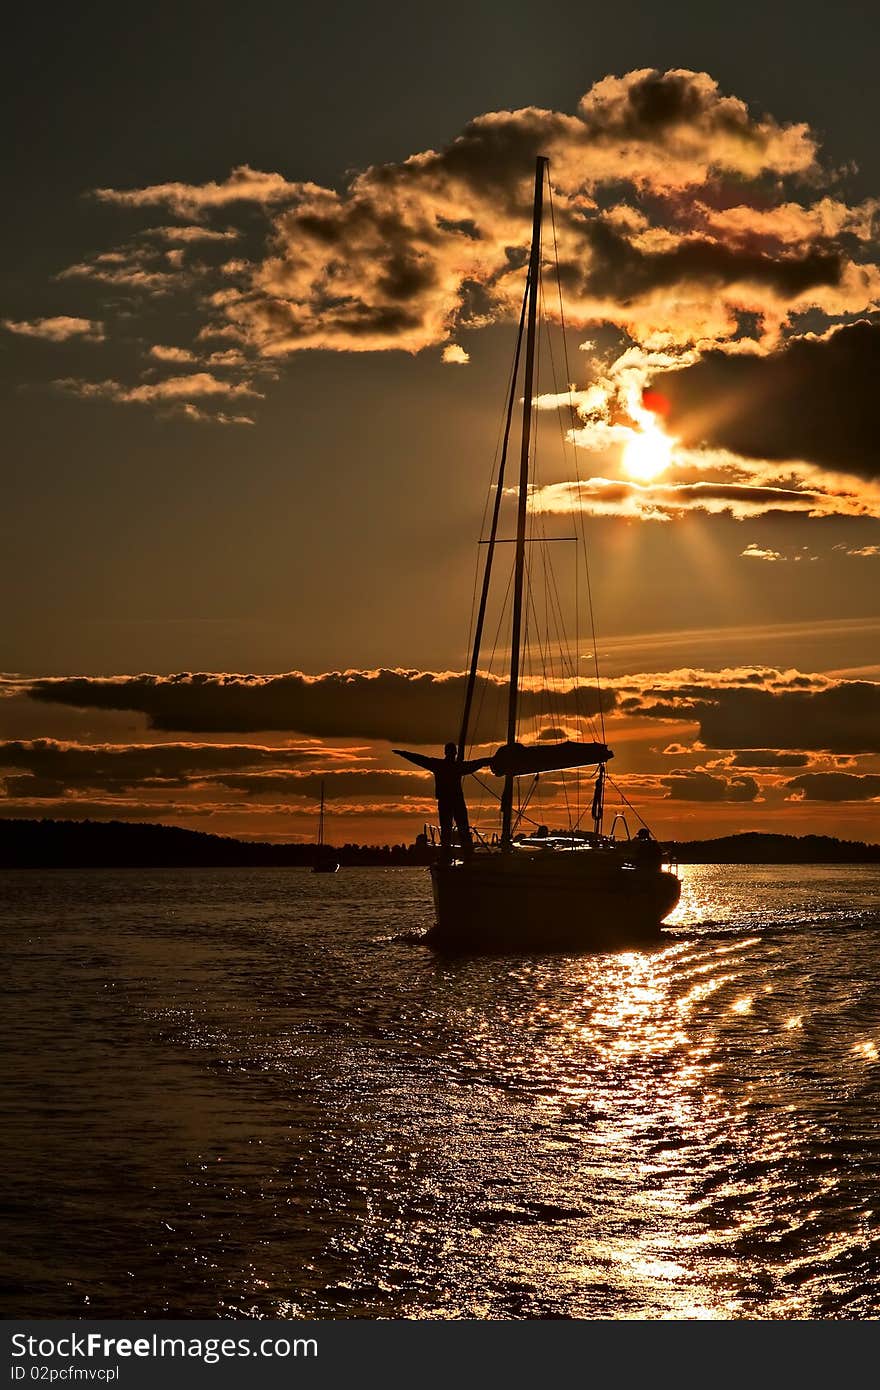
{"type": "Point", "coordinates": [517, 760]}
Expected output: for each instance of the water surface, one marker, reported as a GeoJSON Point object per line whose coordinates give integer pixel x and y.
{"type": "Point", "coordinates": [253, 1093]}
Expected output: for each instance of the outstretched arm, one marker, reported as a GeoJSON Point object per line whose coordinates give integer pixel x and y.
{"type": "Point", "coordinates": [418, 758]}
{"type": "Point", "coordinates": [474, 765]}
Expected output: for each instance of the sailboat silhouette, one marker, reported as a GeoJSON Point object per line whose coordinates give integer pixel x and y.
{"type": "Point", "coordinates": [326, 858]}
{"type": "Point", "coordinates": [546, 891]}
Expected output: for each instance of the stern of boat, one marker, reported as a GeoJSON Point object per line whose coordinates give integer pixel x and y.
{"type": "Point", "coordinates": [563, 903]}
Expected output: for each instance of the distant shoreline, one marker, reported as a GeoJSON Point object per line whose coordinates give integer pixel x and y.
{"type": "Point", "coordinates": [51, 844]}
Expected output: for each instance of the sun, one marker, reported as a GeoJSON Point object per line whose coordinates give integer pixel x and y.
{"type": "Point", "coordinates": [647, 452]}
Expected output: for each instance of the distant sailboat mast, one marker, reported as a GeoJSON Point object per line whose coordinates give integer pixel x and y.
{"type": "Point", "coordinates": [326, 858]}
{"type": "Point", "coordinates": [519, 567]}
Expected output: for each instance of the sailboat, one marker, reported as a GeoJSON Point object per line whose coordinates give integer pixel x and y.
{"type": "Point", "coordinates": [562, 890]}
{"type": "Point", "coordinates": [326, 858]}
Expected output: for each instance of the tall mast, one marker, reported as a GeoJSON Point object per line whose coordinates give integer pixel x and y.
{"type": "Point", "coordinates": [321, 818]}
{"type": "Point", "coordinates": [519, 568]}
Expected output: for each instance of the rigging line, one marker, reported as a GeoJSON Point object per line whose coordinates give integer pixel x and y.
{"type": "Point", "coordinates": [503, 421]}
{"type": "Point", "coordinates": [627, 802]}
{"type": "Point", "coordinates": [556, 391]}
{"type": "Point", "coordinates": [568, 665]}
{"type": "Point", "coordinates": [552, 598]}
{"type": "Point", "coordinates": [530, 515]}
{"type": "Point", "coordinates": [577, 698]}
{"type": "Point", "coordinates": [565, 646]}
{"type": "Point", "coordinates": [496, 509]}
{"type": "Point", "coordinates": [554, 696]}
{"type": "Point", "coordinates": [547, 631]}
{"type": "Point", "coordinates": [543, 644]}
{"type": "Point", "coordinates": [576, 464]}
{"type": "Point", "coordinates": [537, 528]}
{"type": "Point", "coordinates": [522, 497]}
{"type": "Point", "coordinates": [482, 525]}
{"type": "Point", "coordinates": [480, 783]}
{"type": "Point", "coordinates": [572, 671]}
{"type": "Point", "coordinates": [546, 648]}
{"type": "Point", "coordinates": [531, 623]}
{"type": "Point", "coordinates": [554, 606]}
{"type": "Point", "coordinates": [584, 811]}
{"type": "Point", "coordinates": [528, 652]}
{"type": "Point", "coordinates": [485, 685]}
{"type": "Point", "coordinates": [525, 804]}
{"type": "Point", "coordinates": [547, 691]}
{"type": "Point", "coordinates": [553, 706]}
{"type": "Point", "coordinates": [522, 816]}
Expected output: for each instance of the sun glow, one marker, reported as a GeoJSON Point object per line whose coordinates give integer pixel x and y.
{"type": "Point", "coordinates": [646, 454]}
{"type": "Point", "coordinates": [648, 450]}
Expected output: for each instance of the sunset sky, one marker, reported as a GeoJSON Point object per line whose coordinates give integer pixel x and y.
{"type": "Point", "coordinates": [260, 282]}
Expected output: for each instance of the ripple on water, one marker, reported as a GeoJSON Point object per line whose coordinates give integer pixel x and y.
{"type": "Point", "coordinates": [256, 1093]}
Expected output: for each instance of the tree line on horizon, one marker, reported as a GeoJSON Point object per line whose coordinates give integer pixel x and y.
{"type": "Point", "coordinates": [131, 844]}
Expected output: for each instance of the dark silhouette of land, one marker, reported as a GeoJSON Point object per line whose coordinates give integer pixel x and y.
{"type": "Point", "coordinates": [755, 847]}
{"type": "Point", "coordinates": [137, 845]}
{"type": "Point", "coordinates": [54, 844]}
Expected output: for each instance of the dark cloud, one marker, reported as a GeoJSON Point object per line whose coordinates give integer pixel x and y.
{"type": "Point", "coordinates": [53, 765]}
{"type": "Point", "coordinates": [702, 786]}
{"type": "Point", "coordinates": [760, 711]}
{"type": "Point", "coordinates": [769, 757]}
{"type": "Point", "coordinates": [620, 269]}
{"type": "Point", "coordinates": [39, 787]}
{"type": "Point", "coordinates": [419, 706]}
{"type": "Point", "coordinates": [53, 769]}
{"type": "Point", "coordinates": [814, 399]}
{"type": "Point", "coordinates": [114, 808]}
{"type": "Point", "coordinates": [352, 782]}
{"type": "Point", "coordinates": [835, 786]}
{"type": "Point", "coordinates": [769, 718]}
{"type": "Point", "coordinates": [843, 718]}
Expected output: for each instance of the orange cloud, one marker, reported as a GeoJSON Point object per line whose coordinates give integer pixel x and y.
{"type": "Point", "coordinates": [58, 329]}
{"type": "Point", "coordinates": [456, 354]}
{"type": "Point", "coordinates": [178, 392]}
{"type": "Point", "coordinates": [244, 185]}
{"type": "Point", "coordinates": [187, 235]}
{"type": "Point", "coordinates": [407, 252]}
{"type": "Point", "coordinates": [668, 501]}
{"type": "Point", "coordinates": [669, 240]}
{"type": "Point", "coordinates": [171, 354]}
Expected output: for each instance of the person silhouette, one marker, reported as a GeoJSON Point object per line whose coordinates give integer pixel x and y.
{"type": "Point", "coordinates": [648, 854]}
{"type": "Point", "coordinates": [451, 806]}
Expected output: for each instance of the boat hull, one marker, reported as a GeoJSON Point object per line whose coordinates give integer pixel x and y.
{"type": "Point", "coordinates": [564, 904]}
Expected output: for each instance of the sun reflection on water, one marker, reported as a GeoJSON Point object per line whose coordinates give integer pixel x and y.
{"type": "Point", "coordinates": [342, 1124]}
